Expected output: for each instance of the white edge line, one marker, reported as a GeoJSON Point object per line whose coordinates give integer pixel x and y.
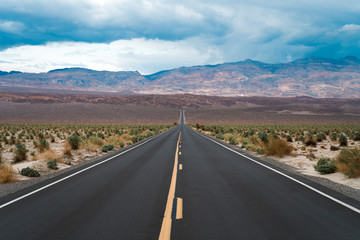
{"type": "Point", "coordinates": [74, 174]}
{"type": "Point", "coordinates": [287, 176]}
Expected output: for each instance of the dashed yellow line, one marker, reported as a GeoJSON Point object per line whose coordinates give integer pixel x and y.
{"type": "Point", "coordinates": [179, 208]}
{"type": "Point", "coordinates": [180, 167]}
{"type": "Point", "coordinates": [165, 231]}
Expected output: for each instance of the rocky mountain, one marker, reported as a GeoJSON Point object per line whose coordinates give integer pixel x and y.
{"type": "Point", "coordinates": [312, 76]}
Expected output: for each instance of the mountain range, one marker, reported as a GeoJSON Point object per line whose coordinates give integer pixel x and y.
{"type": "Point", "coordinates": [311, 76]}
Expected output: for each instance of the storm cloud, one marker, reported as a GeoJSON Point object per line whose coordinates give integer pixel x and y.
{"type": "Point", "coordinates": [164, 34]}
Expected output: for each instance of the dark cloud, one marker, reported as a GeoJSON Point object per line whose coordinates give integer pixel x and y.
{"type": "Point", "coordinates": [271, 31]}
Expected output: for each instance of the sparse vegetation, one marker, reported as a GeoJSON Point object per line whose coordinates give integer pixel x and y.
{"type": "Point", "coordinates": [278, 147]}
{"type": "Point", "coordinates": [6, 173]}
{"type": "Point", "coordinates": [20, 153]}
{"type": "Point", "coordinates": [52, 164]}
{"type": "Point", "coordinates": [348, 162]}
{"type": "Point", "coordinates": [343, 140]}
{"type": "Point", "coordinates": [74, 141]}
{"type": "Point", "coordinates": [325, 166]}
{"type": "Point", "coordinates": [314, 141]}
{"type": "Point", "coordinates": [29, 172]}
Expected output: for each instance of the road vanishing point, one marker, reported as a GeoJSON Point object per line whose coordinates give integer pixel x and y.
{"type": "Point", "coordinates": [178, 185]}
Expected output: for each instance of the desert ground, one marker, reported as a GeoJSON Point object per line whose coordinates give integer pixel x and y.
{"type": "Point", "coordinates": [57, 107]}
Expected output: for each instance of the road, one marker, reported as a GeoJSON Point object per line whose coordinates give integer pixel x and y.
{"type": "Point", "coordinates": [218, 194]}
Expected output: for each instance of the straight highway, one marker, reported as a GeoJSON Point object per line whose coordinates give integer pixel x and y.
{"type": "Point", "coordinates": [179, 185]}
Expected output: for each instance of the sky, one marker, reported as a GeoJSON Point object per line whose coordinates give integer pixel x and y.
{"type": "Point", "coordinates": [154, 35]}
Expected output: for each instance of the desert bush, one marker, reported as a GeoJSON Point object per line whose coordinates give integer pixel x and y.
{"type": "Point", "coordinates": [333, 136]}
{"type": "Point", "coordinates": [343, 141]}
{"type": "Point", "coordinates": [260, 151]}
{"type": "Point", "coordinates": [96, 140]}
{"type": "Point", "coordinates": [67, 150]}
{"type": "Point", "coordinates": [107, 148]}
{"type": "Point", "coordinates": [325, 166]}
{"type": "Point", "coordinates": [289, 138]}
{"type": "Point", "coordinates": [42, 145]}
{"type": "Point", "coordinates": [29, 172]}
{"type": "Point", "coordinates": [121, 144]}
{"type": "Point", "coordinates": [233, 141]}
{"type": "Point", "coordinates": [244, 144]}
{"type": "Point", "coordinates": [220, 136]}
{"type": "Point", "coordinates": [6, 173]}
{"type": "Point", "coordinates": [320, 137]}
{"type": "Point", "coordinates": [356, 137]}
{"type": "Point", "coordinates": [52, 164]}
{"type": "Point", "coordinates": [263, 137]}
{"type": "Point", "coordinates": [104, 148]}
{"type": "Point", "coordinates": [74, 141]}
{"type": "Point", "coordinates": [278, 147]}
{"type": "Point", "coordinates": [348, 162]}
{"type": "Point", "coordinates": [334, 148]}
{"type": "Point", "coordinates": [310, 141]}
{"type": "Point", "coordinates": [20, 153]}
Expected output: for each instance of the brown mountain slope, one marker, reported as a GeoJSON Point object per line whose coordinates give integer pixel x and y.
{"type": "Point", "coordinates": [316, 77]}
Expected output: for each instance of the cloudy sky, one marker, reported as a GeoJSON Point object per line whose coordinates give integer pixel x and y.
{"type": "Point", "coordinates": [153, 35]}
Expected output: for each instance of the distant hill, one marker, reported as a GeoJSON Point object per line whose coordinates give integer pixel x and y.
{"type": "Point", "coordinates": [312, 76]}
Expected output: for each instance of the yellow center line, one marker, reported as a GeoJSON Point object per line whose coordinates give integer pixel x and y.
{"type": "Point", "coordinates": [165, 231]}
{"type": "Point", "coordinates": [180, 167]}
{"type": "Point", "coordinates": [179, 208]}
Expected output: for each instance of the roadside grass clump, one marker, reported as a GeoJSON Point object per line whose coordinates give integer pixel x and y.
{"type": "Point", "coordinates": [333, 136]}
{"type": "Point", "coordinates": [227, 136]}
{"type": "Point", "coordinates": [260, 151]}
{"type": "Point", "coordinates": [20, 153]}
{"type": "Point", "coordinates": [42, 145]}
{"type": "Point", "coordinates": [343, 141]}
{"type": "Point", "coordinates": [320, 137]}
{"type": "Point", "coordinates": [7, 173]}
{"type": "Point", "coordinates": [310, 141]}
{"type": "Point", "coordinates": [96, 140]}
{"type": "Point", "coordinates": [325, 166]}
{"type": "Point", "coordinates": [48, 155]}
{"type": "Point", "coordinates": [107, 148]}
{"type": "Point", "coordinates": [220, 136]}
{"type": "Point", "coordinates": [67, 151]}
{"type": "Point", "coordinates": [74, 141]}
{"type": "Point", "coordinates": [334, 148]}
{"type": "Point", "coordinates": [263, 137]}
{"type": "Point", "coordinates": [29, 172]}
{"type": "Point", "coordinates": [348, 162]}
{"type": "Point", "coordinates": [233, 141]}
{"type": "Point", "coordinates": [356, 136]}
{"type": "Point", "coordinates": [52, 164]}
{"type": "Point", "coordinates": [278, 147]}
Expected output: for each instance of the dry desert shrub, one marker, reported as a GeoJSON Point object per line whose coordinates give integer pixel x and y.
{"type": "Point", "coordinates": [91, 147]}
{"type": "Point", "coordinates": [278, 147]}
{"type": "Point", "coordinates": [67, 151]}
{"type": "Point", "coordinates": [95, 141]}
{"type": "Point", "coordinates": [7, 173]}
{"type": "Point", "coordinates": [228, 136]}
{"type": "Point", "coordinates": [348, 162]}
{"type": "Point", "coordinates": [49, 155]}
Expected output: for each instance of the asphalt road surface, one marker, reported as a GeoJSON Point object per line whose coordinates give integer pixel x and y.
{"type": "Point", "coordinates": [210, 191]}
